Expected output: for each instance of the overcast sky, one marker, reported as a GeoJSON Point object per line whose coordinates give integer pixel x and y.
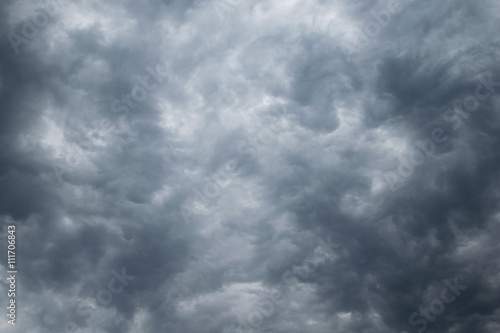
{"type": "Point", "coordinates": [194, 166]}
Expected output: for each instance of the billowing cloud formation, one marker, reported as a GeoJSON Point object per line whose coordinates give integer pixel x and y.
{"type": "Point", "coordinates": [235, 166]}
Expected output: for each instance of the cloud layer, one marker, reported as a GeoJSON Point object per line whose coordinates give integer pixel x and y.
{"type": "Point", "coordinates": [234, 166]}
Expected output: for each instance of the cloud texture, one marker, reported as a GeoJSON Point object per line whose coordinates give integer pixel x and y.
{"type": "Point", "coordinates": [245, 166]}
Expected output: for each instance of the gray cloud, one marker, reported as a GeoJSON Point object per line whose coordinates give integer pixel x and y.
{"type": "Point", "coordinates": [301, 120]}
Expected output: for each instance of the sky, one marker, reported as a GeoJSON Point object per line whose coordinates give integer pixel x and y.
{"type": "Point", "coordinates": [197, 166]}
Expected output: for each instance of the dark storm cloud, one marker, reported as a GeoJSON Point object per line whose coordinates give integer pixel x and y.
{"type": "Point", "coordinates": [243, 184]}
